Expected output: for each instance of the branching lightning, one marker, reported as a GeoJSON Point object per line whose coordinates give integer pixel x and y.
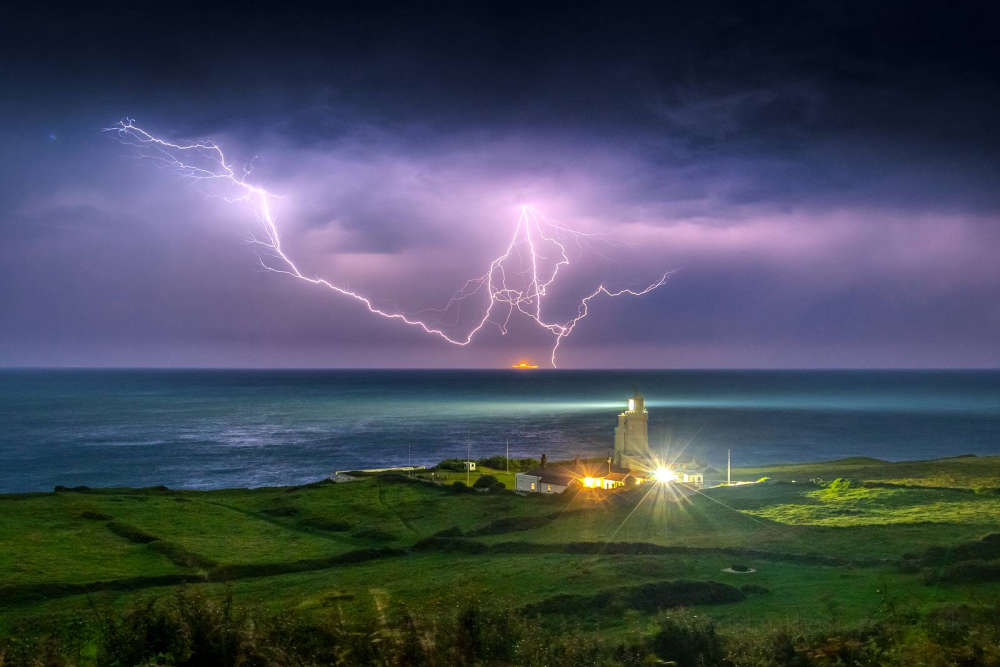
{"type": "Point", "coordinates": [516, 281]}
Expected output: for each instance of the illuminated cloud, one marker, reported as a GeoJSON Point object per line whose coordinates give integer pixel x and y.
{"type": "Point", "coordinates": [824, 198]}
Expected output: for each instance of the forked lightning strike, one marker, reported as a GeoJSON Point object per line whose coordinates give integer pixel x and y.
{"type": "Point", "coordinates": [205, 160]}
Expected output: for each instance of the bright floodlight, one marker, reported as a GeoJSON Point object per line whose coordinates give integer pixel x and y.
{"type": "Point", "coordinates": [664, 475]}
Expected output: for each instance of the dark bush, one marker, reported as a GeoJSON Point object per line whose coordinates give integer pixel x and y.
{"type": "Point", "coordinates": [131, 533]}
{"type": "Point", "coordinates": [42, 591]}
{"type": "Point", "coordinates": [187, 630]}
{"type": "Point", "coordinates": [495, 462]}
{"type": "Point", "coordinates": [689, 640]}
{"type": "Point", "coordinates": [192, 630]}
{"type": "Point", "coordinates": [679, 593]}
{"type": "Point", "coordinates": [460, 487]}
{"type": "Point", "coordinates": [525, 548]}
{"type": "Point", "coordinates": [181, 556]}
{"type": "Point", "coordinates": [968, 571]}
{"type": "Point", "coordinates": [739, 568]}
{"type": "Point", "coordinates": [524, 465]}
{"type": "Point", "coordinates": [283, 510]}
{"type": "Point", "coordinates": [647, 598]}
{"type": "Point", "coordinates": [453, 465]}
{"type": "Point", "coordinates": [985, 548]}
{"type": "Point", "coordinates": [454, 531]}
{"type": "Point", "coordinates": [486, 482]}
{"type": "Point", "coordinates": [512, 524]}
{"type": "Point", "coordinates": [323, 523]}
{"type": "Point", "coordinates": [451, 545]}
{"type": "Point", "coordinates": [95, 516]}
{"type": "Point", "coordinates": [230, 572]}
{"type": "Point", "coordinates": [376, 534]}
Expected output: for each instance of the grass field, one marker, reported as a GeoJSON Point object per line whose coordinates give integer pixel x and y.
{"type": "Point", "coordinates": [822, 553]}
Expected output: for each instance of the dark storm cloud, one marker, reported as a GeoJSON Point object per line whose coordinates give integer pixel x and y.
{"type": "Point", "coordinates": [822, 175]}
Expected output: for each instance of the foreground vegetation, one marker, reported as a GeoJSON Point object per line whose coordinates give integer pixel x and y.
{"type": "Point", "coordinates": [861, 561]}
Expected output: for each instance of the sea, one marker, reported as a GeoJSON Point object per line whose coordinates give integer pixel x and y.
{"type": "Point", "coordinates": [205, 429]}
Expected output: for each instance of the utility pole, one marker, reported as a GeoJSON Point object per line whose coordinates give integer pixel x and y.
{"type": "Point", "coordinates": [729, 467]}
{"type": "Point", "coordinates": [507, 457]}
{"type": "Point", "coordinates": [468, 463]}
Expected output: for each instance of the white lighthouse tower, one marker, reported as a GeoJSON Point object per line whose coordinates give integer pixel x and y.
{"type": "Point", "coordinates": [632, 437]}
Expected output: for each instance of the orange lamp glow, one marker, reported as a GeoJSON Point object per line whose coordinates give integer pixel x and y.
{"type": "Point", "coordinates": [524, 364]}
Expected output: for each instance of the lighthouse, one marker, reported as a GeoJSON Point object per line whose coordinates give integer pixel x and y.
{"type": "Point", "coordinates": [631, 436]}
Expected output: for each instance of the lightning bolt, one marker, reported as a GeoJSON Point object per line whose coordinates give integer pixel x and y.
{"type": "Point", "coordinates": [205, 161]}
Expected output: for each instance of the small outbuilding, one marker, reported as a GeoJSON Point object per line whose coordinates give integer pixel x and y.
{"type": "Point", "coordinates": [692, 477]}
{"type": "Point", "coordinates": [541, 480]}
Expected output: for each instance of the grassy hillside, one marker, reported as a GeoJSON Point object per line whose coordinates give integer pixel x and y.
{"type": "Point", "coordinates": [822, 553]}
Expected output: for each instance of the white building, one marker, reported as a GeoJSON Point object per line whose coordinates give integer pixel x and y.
{"type": "Point", "coordinates": [542, 481]}
{"type": "Point", "coordinates": [691, 477]}
{"type": "Point", "coordinates": [632, 436]}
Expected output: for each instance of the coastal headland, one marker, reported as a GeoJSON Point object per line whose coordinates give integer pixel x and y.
{"type": "Point", "coordinates": [809, 546]}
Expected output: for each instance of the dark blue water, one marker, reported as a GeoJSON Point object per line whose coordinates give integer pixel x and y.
{"type": "Point", "coordinates": [208, 429]}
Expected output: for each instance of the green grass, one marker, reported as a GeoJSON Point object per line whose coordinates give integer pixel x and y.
{"type": "Point", "coordinates": [44, 539]}
{"type": "Point", "coordinates": [63, 538]}
{"type": "Point", "coordinates": [963, 472]}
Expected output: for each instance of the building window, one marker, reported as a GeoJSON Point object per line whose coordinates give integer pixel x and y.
{"type": "Point", "coordinates": [532, 486]}
{"type": "Point", "coordinates": [548, 487]}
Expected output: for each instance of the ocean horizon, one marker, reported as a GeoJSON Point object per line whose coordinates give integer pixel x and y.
{"type": "Point", "coordinates": [217, 428]}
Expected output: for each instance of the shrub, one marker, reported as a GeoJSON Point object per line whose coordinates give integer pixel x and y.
{"type": "Point", "coordinates": [459, 487]}
{"type": "Point", "coordinates": [450, 544]}
{"type": "Point", "coordinates": [131, 533]}
{"type": "Point", "coordinates": [323, 523]}
{"type": "Point", "coordinates": [688, 640]}
{"type": "Point", "coordinates": [967, 571]}
{"type": "Point", "coordinates": [985, 548]}
{"type": "Point", "coordinates": [376, 534]}
{"type": "Point", "coordinates": [95, 516]}
{"type": "Point", "coordinates": [229, 572]}
{"type": "Point", "coordinates": [523, 465]}
{"type": "Point", "coordinates": [495, 462]}
{"type": "Point", "coordinates": [679, 593]}
{"type": "Point", "coordinates": [454, 531]}
{"type": "Point", "coordinates": [185, 630]}
{"type": "Point", "coordinates": [647, 598]}
{"type": "Point", "coordinates": [739, 568]}
{"type": "Point", "coordinates": [283, 510]}
{"type": "Point", "coordinates": [488, 482]}
{"type": "Point", "coordinates": [511, 524]}
{"type": "Point", "coordinates": [178, 555]}
{"type": "Point", "coordinates": [454, 465]}
{"type": "Point", "coordinates": [842, 484]}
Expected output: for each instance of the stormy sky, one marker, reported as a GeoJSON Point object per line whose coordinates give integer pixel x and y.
{"type": "Point", "coordinates": [821, 178]}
